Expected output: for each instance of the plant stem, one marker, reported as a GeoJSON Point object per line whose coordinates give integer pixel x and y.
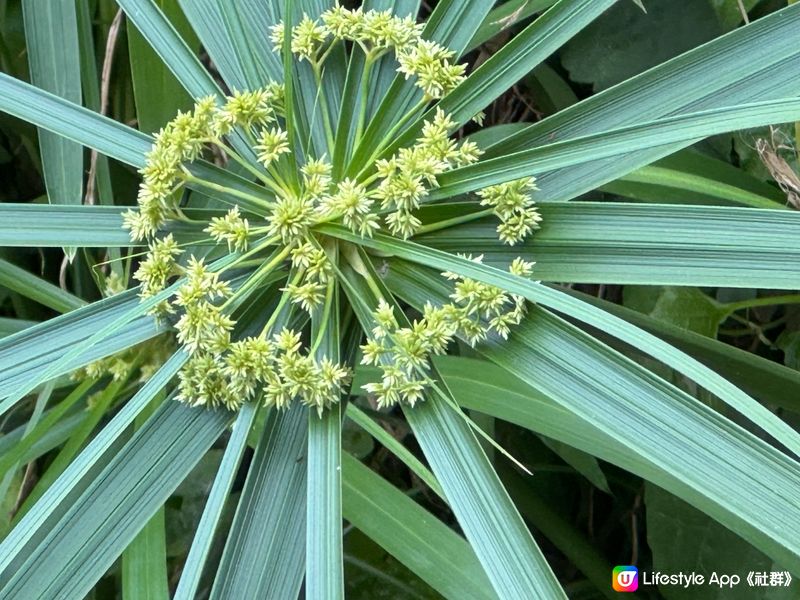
{"type": "Point", "coordinates": [226, 190]}
{"type": "Point", "coordinates": [390, 136]}
{"type": "Point", "coordinates": [258, 275]}
{"type": "Point", "coordinates": [293, 279]}
{"type": "Point", "coordinates": [364, 92]}
{"type": "Point", "coordinates": [260, 175]}
{"type": "Point", "coordinates": [454, 221]}
{"type": "Point", "coordinates": [767, 301]}
{"type": "Point", "coordinates": [258, 247]}
{"type": "Point", "coordinates": [324, 107]}
{"type": "Point", "coordinates": [325, 317]}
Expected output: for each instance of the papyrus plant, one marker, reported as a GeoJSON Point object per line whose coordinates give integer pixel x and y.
{"type": "Point", "coordinates": [324, 212]}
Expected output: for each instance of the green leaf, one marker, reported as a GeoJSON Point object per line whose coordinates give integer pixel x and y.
{"type": "Point", "coordinates": [264, 554]}
{"type": "Point", "coordinates": [35, 431]}
{"type": "Point", "coordinates": [10, 326]}
{"type": "Point", "coordinates": [452, 24]}
{"type": "Point", "coordinates": [504, 16]}
{"type": "Point", "coordinates": [144, 561]}
{"type": "Point", "coordinates": [74, 122]}
{"type": "Point", "coordinates": [57, 500]}
{"type": "Point", "coordinates": [604, 242]}
{"type": "Point", "coordinates": [687, 308]}
{"type": "Point", "coordinates": [51, 31]}
{"type": "Point", "coordinates": [105, 135]}
{"type": "Point", "coordinates": [29, 286]}
{"type": "Point", "coordinates": [324, 566]}
{"type": "Point", "coordinates": [514, 60]}
{"type": "Point", "coordinates": [755, 62]}
{"type": "Point", "coordinates": [52, 438]}
{"type": "Point", "coordinates": [691, 177]}
{"type": "Point", "coordinates": [207, 19]}
{"type": "Point", "coordinates": [501, 540]}
{"type": "Point", "coordinates": [95, 411]}
{"type": "Point", "coordinates": [215, 505]}
{"type": "Point", "coordinates": [583, 463]}
{"type": "Point", "coordinates": [686, 128]}
{"type": "Point", "coordinates": [577, 547]}
{"type": "Point", "coordinates": [32, 225]}
{"type": "Point", "coordinates": [23, 355]}
{"type": "Point", "coordinates": [729, 12]}
{"type": "Point", "coordinates": [666, 435]}
{"type": "Point", "coordinates": [393, 445]}
{"type": "Point", "coordinates": [165, 40]}
{"type": "Point", "coordinates": [762, 378]}
{"type": "Point", "coordinates": [535, 292]}
{"type": "Point", "coordinates": [75, 550]}
{"type": "Point", "coordinates": [411, 534]}
{"type": "Point", "coordinates": [683, 539]}
{"type": "Point", "coordinates": [625, 41]}
{"type": "Point", "coordinates": [158, 93]}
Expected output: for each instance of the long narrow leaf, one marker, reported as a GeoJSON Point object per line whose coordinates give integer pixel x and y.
{"type": "Point", "coordinates": [671, 436]}
{"type": "Point", "coordinates": [212, 513]}
{"type": "Point", "coordinates": [39, 290]}
{"type": "Point", "coordinates": [499, 537]}
{"type": "Point", "coordinates": [535, 292]}
{"type": "Point", "coordinates": [51, 31]}
{"type": "Point", "coordinates": [264, 555]}
{"type": "Point", "coordinates": [757, 62]}
{"type": "Point", "coordinates": [55, 503]}
{"type": "Point", "coordinates": [78, 548]}
{"type": "Point", "coordinates": [600, 242]}
{"type": "Point", "coordinates": [686, 128]}
{"type": "Point", "coordinates": [411, 534]}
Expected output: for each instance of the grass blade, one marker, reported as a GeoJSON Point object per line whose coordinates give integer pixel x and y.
{"type": "Point", "coordinates": [491, 523]}
{"type": "Point", "coordinates": [757, 62]}
{"type": "Point", "coordinates": [56, 501]}
{"type": "Point", "coordinates": [144, 561]}
{"type": "Point", "coordinates": [688, 127]}
{"type": "Point", "coordinates": [670, 437]}
{"type": "Point", "coordinates": [165, 40]}
{"type": "Point", "coordinates": [78, 548]}
{"type": "Point", "coordinates": [411, 534]}
{"type": "Point", "coordinates": [212, 513]}
{"type": "Point", "coordinates": [22, 355]}
{"type": "Point", "coordinates": [647, 343]}
{"type": "Point", "coordinates": [29, 286]}
{"type": "Point", "coordinates": [513, 61]}
{"type": "Point", "coordinates": [605, 242]}
{"type": "Point", "coordinates": [264, 555]}
{"type": "Point", "coordinates": [324, 566]}
{"type": "Point", "coordinates": [51, 32]}
{"type": "Point", "coordinates": [389, 442]}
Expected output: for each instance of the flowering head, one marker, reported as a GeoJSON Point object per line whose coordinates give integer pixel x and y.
{"type": "Point", "coordinates": [259, 264]}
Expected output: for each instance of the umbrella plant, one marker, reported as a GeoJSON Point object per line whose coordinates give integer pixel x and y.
{"type": "Point", "coordinates": [330, 220]}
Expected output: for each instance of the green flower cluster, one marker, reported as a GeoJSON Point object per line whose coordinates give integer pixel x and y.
{"type": "Point", "coordinates": [182, 141]}
{"type": "Point", "coordinates": [405, 178]}
{"type": "Point", "coordinates": [403, 353]}
{"type": "Point", "coordinates": [299, 194]}
{"type": "Point", "coordinates": [274, 368]}
{"type": "Point", "coordinates": [377, 32]}
{"type": "Point", "coordinates": [513, 204]}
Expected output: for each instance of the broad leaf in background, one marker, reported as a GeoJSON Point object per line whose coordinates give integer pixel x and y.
{"type": "Point", "coordinates": [626, 41]}
{"type": "Point", "coordinates": [685, 540]}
